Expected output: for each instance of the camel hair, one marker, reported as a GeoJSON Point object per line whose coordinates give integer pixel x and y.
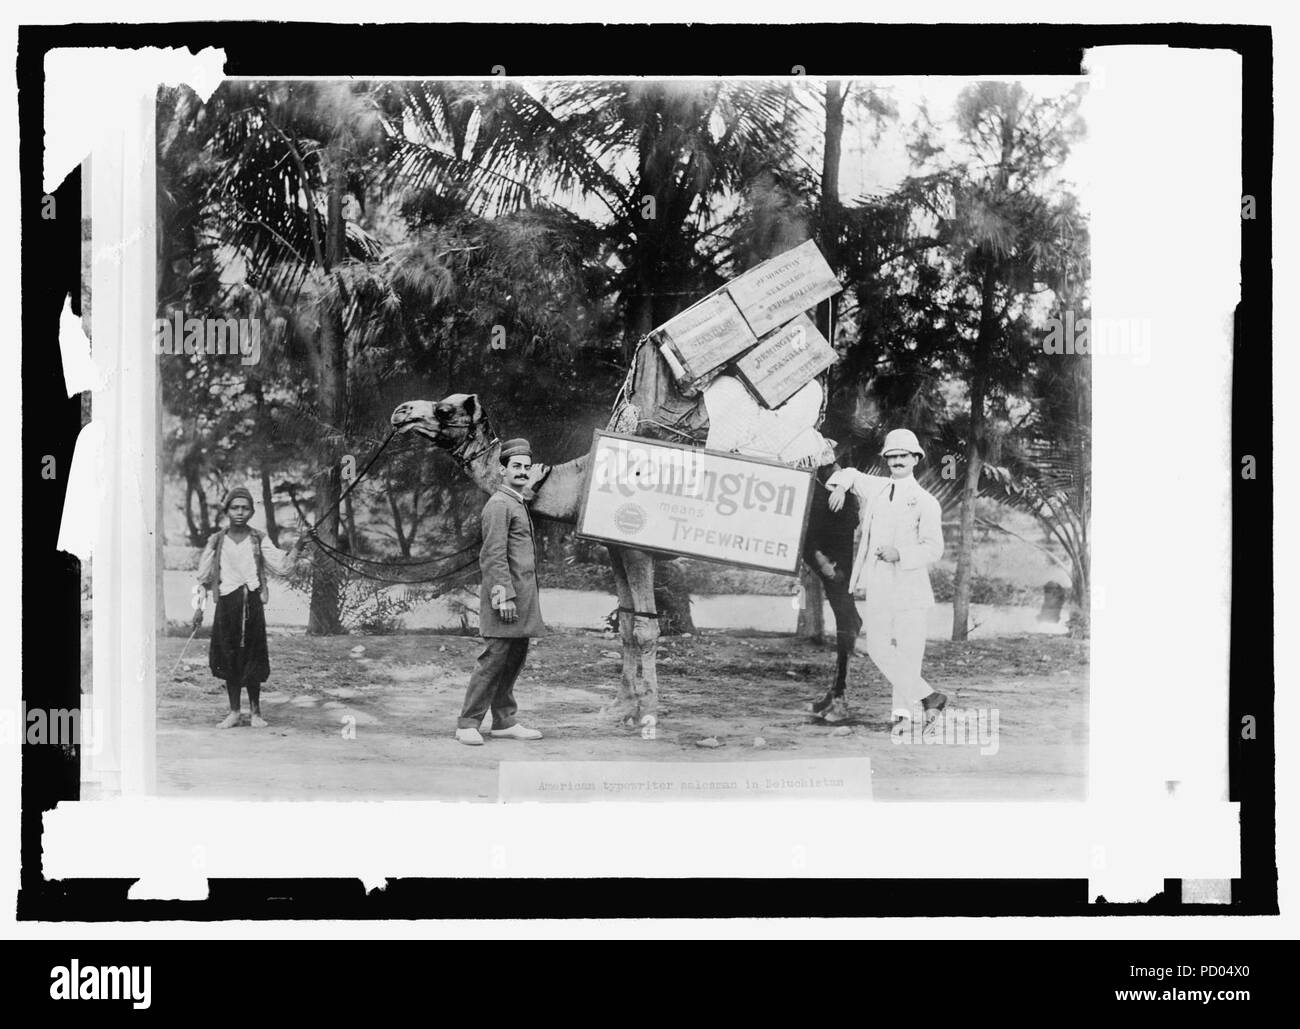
{"type": "Point", "coordinates": [460, 426]}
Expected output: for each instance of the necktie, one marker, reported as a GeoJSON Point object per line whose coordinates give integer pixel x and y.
{"type": "Point", "coordinates": [891, 492]}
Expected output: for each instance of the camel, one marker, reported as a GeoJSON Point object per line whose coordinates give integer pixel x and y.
{"type": "Point", "coordinates": [460, 426]}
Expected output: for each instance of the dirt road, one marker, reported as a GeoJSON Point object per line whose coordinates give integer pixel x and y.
{"type": "Point", "coordinates": [380, 725]}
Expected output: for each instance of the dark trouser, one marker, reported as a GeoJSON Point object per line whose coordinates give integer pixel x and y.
{"type": "Point", "coordinates": [492, 685]}
{"type": "Point", "coordinates": [237, 652]}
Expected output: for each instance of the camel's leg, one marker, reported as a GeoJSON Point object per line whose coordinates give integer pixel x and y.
{"type": "Point", "coordinates": [848, 623]}
{"type": "Point", "coordinates": [829, 553]}
{"type": "Point", "coordinates": [640, 569]}
{"type": "Point", "coordinates": [624, 707]}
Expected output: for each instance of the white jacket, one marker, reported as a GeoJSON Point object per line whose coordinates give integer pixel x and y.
{"type": "Point", "coordinates": [912, 522]}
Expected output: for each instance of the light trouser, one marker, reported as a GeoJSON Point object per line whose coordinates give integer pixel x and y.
{"type": "Point", "coordinates": [896, 643]}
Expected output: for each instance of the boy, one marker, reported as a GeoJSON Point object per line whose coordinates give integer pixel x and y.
{"type": "Point", "coordinates": [902, 534]}
{"type": "Point", "coordinates": [233, 566]}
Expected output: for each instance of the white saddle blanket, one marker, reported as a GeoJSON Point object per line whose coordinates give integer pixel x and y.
{"type": "Point", "coordinates": [738, 423]}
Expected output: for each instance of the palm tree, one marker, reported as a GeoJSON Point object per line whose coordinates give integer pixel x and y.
{"type": "Point", "coordinates": [285, 170]}
{"type": "Point", "coordinates": [1014, 233]}
{"type": "Point", "coordinates": [654, 163]}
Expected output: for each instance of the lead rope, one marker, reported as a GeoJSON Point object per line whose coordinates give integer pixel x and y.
{"type": "Point", "coordinates": [353, 484]}
{"type": "Point", "coordinates": [342, 558]}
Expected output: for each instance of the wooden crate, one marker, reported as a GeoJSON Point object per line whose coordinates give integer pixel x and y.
{"type": "Point", "coordinates": [785, 360]}
{"type": "Point", "coordinates": [775, 291]}
{"type": "Point", "coordinates": [704, 336]}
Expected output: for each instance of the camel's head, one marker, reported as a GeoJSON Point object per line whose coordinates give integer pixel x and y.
{"type": "Point", "coordinates": [449, 422]}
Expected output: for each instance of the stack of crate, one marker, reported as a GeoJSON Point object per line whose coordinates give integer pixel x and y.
{"type": "Point", "coordinates": [758, 325]}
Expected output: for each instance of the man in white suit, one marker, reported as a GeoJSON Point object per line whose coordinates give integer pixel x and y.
{"type": "Point", "coordinates": [902, 534]}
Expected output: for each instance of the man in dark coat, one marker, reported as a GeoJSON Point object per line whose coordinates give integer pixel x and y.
{"type": "Point", "coordinates": [509, 612]}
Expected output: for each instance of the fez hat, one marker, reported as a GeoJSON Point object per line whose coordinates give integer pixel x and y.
{"type": "Point", "coordinates": [235, 494]}
{"type": "Point", "coordinates": [515, 448]}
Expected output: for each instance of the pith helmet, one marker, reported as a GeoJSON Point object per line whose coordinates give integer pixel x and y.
{"type": "Point", "coordinates": [902, 439]}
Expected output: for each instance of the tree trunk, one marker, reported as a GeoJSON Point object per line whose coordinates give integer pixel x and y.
{"type": "Point", "coordinates": [1080, 624]}
{"type": "Point", "coordinates": [811, 624]}
{"type": "Point", "coordinates": [199, 529]}
{"type": "Point", "coordinates": [966, 537]}
{"type": "Point", "coordinates": [324, 619]}
{"type": "Point", "coordinates": [268, 505]}
{"type": "Point", "coordinates": [190, 525]}
{"type": "Point", "coordinates": [323, 616]}
{"type": "Point", "coordinates": [642, 318]}
{"type": "Point", "coordinates": [974, 459]}
{"type": "Point", "coordinates": [831, 214]}
{"type": "Point", "coordinates": [351, 525]}
{"type": "Point", "coordinates": [403, 543]}
{"type": "Point", "coordinates": [205, 520]}
{"type": "Point", "coordinates": [672, 600]}
{"type": "Point", "coordinates": [831, 173]}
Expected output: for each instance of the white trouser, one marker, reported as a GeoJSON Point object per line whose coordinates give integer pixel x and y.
{"type": "Point", "coordinates": [896, 643]}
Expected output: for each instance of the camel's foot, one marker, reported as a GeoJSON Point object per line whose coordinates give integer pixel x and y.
{"type": "Point", "coordinates": [818, 706]}
{"type": "Point", "coordinates": [837, 711]}
{"type": "Point", "coordinates": [622, 711]}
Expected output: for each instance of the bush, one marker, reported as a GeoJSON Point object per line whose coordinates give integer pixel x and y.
{"type": "Point", "coordinates": [983, 590]}
{"type": "Point", "coordinates": [376, 608]}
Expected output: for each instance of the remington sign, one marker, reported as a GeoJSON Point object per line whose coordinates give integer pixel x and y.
{"type": "Point", "coordinates": [659, 496]}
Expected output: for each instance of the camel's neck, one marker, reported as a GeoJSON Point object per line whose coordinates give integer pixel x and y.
{"type": "Point", "coordinates": [560, 495]}
{"type": "Point", "coordinates": [482, 463]}
{"type": "Point", "coordinates": [557, 498]}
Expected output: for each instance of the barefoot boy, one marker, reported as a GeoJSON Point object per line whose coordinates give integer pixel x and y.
{"type": "Point", "coordinates": [233, 566]}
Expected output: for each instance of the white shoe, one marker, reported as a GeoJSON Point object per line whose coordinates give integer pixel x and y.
{"type": "Point", "coordinates": [517, 732]}
{"type": "Point", "coordinates": [469, 737]}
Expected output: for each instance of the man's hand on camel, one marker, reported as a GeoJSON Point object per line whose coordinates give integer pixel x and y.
{"type": "Point", "coordinates": [508, 611]}
{"type": "Point", "coordinates": [836, 499]}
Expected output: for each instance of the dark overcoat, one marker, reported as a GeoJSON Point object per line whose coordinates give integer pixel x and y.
{"type": "Point", "coordinates": [507, 558]}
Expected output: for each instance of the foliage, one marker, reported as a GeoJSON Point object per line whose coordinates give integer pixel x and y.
{"type": "Point", "coordinates": [412, 239]}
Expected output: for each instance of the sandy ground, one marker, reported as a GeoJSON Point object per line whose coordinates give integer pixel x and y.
{"type": "Point", "coordinates": [380, 725]}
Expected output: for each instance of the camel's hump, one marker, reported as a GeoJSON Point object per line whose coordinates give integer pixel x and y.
{"type": "Point", "coordinates": [720, 413]}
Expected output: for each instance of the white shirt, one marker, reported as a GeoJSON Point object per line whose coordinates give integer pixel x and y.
{"type": "Point", "coordinates": [239, 563]}
{"type": "Point", "coordinates": [911, 521]}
